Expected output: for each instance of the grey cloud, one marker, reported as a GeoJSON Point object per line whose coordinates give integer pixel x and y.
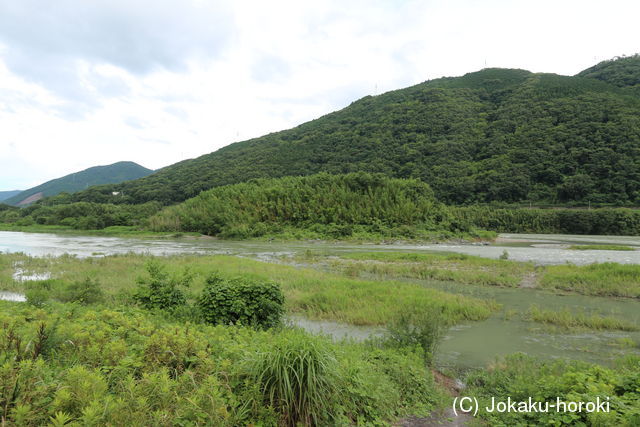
{"type": "Point", "coordinates": [47, 41]}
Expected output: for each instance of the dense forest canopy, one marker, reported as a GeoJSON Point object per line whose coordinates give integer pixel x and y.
{"type": "Point", "coordinates": [622, 72]}
{"type": "Point", "coordinates": [497, 135]}
{"type": "Point", "coordinates": [330, 205]}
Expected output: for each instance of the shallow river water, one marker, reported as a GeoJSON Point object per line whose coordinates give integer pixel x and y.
{"type": "Point", "coordinates": [538, 248]}
{"type": "Point", "coordinates": [469, 345]}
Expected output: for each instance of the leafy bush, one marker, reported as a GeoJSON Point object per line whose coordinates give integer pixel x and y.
{"type": "Point", "coordinates": [87, 291]}
{"type": "Point", "coordinates": [421, 328]}
{"type": "Point", "coordinates": [160, 290]}
{"type": "Point", "coordinates": [240, 300]}
{"type": "Point", "coordinates": [37, 296]}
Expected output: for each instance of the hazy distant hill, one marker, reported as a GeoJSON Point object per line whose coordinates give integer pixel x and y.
{"type": "Point", "coordinates": [493, 135]}
{"type": "Point", "coordinates": [4, 195]}
{"type": "Point", "coordinates": [111, 174]}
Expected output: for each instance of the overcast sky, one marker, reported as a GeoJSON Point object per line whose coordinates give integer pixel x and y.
{"type": "Point", "coordinates": [91, 82]}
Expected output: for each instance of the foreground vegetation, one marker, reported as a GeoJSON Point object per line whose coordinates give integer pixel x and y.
{"type": "Point", "coordinates": [520, 377]}
{"type": "Point", "coordinates": [73, 365]}
{"type": "Point", "coordinates": [124, 340]}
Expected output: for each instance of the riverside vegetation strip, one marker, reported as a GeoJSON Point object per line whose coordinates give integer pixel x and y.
{"type": "Point", "coordinates": [317, 295]}
{"type": "Point", "coordinates": [356, 206]}
{"type": "Point", "coordinates": [606, 279]}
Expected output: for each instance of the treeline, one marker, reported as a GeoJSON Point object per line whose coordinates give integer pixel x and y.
{"type": "Point", "coordinates": [327, 205]}
{"type": "Point", "coordinates": [79, 215]}
{"type": "Point", "coordinates": [620, 221]}
{"type": "Point", "coordinates": [360, 205]}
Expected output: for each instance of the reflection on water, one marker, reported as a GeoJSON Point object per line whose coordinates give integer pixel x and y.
{"type": "Point", "coordinates": [12, 296]}
{"type": "Point", "coordinates": [335, 330]}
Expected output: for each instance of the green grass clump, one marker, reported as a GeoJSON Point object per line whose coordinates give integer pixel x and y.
{"type": "Point", "coordinates": [568, 320]}
{"type": "Point", "coordinates": [605, 279]}
{"type": "Point", "coordinates": [298, 377]}
{"type": "Point", "coordinates": [459, 268]}
{"type": "Point", "coordinates": [601, 248]}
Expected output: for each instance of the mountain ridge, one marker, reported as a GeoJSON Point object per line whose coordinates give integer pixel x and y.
{"type": "Point", "coordinates": [77, 181]}
{"type": "Point", "coordinates": [495, 135]}
{"type": "Point", "coordinates": [7, 194]}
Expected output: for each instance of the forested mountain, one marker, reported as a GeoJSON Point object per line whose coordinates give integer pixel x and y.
{"type": "Point", "coordinates": [110, 174]}
{"type": "Point", "coordinates": [4, 195]}
{"type": "Point", "coordinates": [495, 135]}
{"type": "Point", "coordinates": [621, 72]}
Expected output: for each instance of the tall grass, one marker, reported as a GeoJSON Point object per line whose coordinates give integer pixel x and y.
{"type": "Point", "coordinates": [124, 366]}
{"type": "Point", "coordinates": [298, 377]}
{"type": "Point", "coordinates": [568, 320]}
{"type": "Point", "coordinates": [601, 248]}
{"type": "Point", "coordinates": [436, 266]}
{"type": "Point", "coordinates": [422, 329]}
{"type": "Point", "coordinates": [606, 279]}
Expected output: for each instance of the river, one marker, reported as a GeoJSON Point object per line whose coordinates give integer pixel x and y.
{"type": "Point", "coordinates": [538, 248]}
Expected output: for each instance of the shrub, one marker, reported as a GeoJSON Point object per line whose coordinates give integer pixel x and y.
{"type": "Point", "coordinates": [420, 328]}
{"type": "Point", "coordinates": [36, 297]}
{"type": "Point", "coordinates": [240, 300]}
{"type": "Point", "coordinates": [87, 291]}
{"type": "Point", "coordinates": [160, 290]}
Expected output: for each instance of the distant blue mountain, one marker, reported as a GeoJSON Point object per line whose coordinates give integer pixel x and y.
{"type": "Point", "coordinates": [4, 195]}
{"type": "Point", "coordinates": [97, 175]}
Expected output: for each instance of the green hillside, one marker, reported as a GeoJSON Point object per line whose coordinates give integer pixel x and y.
{"type": "Point", "coordinates": [622, 72]}
{"type": "Point", "coordinates": [110, 174]}
{"type": "Point", "coordinates": [495, 135]}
